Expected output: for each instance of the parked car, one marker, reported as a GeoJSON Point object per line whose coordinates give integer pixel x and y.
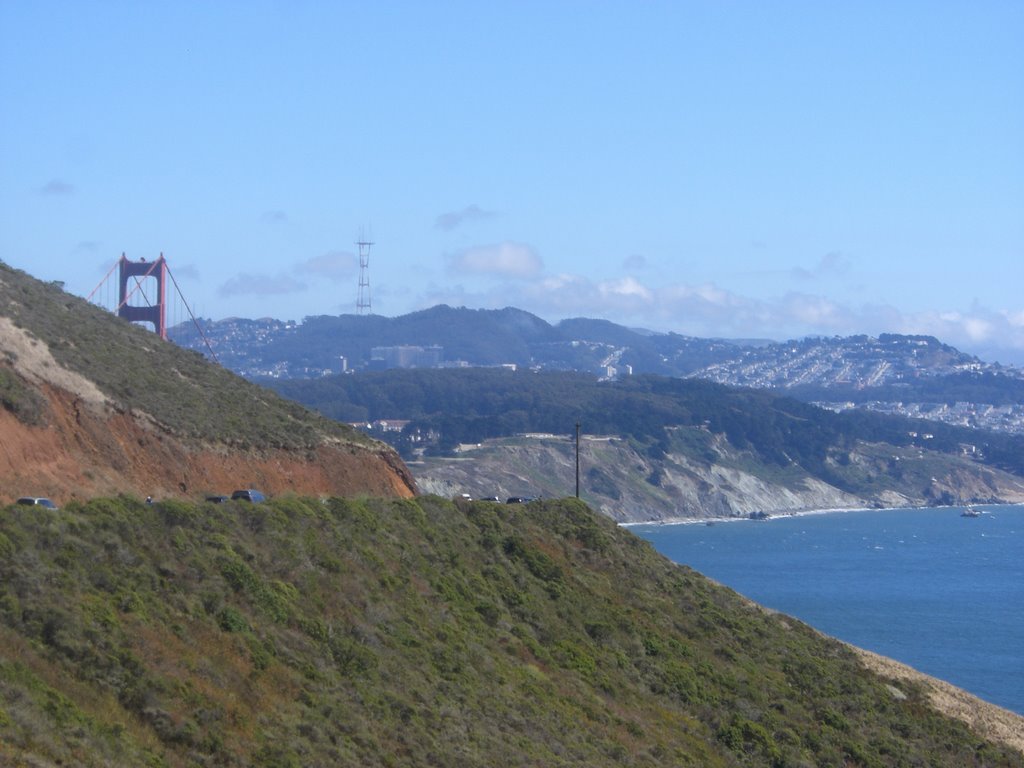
{"type": "Point", "coordinates": [248, 494]}
{"type": "Point", "coordinates": [518, 500]}
{"type": "Point", "coordinates": [37, 501]}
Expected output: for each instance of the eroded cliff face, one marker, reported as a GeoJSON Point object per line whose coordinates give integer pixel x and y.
{"type": "Point", "coordinates": [85, 447]}
{"type": "Point", "coordinates": [630, 487]}
{"type": "Point", "coordinates": [619, 482]}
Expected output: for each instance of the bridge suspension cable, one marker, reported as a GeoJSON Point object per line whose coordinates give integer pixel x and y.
{"type": "Point", "coordinates": [153, 310]}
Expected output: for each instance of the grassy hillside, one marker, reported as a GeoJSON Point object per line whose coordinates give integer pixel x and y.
{"type": "Point", "coordinates": [416, 632]}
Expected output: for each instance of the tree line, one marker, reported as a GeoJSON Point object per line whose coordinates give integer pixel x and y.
{"type": "Point", "coordinates": [475, 404]}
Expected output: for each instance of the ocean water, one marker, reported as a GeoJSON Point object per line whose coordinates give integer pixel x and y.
{"type": "Point", "coordinates": [940, 592]}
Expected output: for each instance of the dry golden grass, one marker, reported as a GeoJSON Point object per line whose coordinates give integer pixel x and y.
{"type": "Point", "coordinates": [985, 718]}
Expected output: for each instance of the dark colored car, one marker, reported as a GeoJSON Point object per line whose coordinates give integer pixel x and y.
{"type": "Point", "coordinates": [36, 501]}
{"type": "Point", "coordinates": [218, 499]}
{"type": "Point", "coordinates": [518, 500]}
{"type": "Point", "coordinates": [249, 494]}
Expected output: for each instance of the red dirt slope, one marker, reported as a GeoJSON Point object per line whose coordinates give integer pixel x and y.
{"type": "Point", "coordinates": [83, 450]}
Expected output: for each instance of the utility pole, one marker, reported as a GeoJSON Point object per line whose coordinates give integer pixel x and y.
{"type": "Point", "coordinates": [577, 459]}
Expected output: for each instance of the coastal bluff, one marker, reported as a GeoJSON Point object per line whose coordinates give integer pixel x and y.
{"type": "Point", "coordinates": [631, 487]}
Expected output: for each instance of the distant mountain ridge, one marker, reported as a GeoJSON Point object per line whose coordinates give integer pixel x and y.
{"type": "Point", "coordinates": [512, 336]}
{"type": "Point", "coordinates": [912, 375]}
{"type": "Point", "coordinates": [264, 347]}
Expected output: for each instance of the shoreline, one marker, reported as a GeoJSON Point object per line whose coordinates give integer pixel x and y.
{"type": "Point", "coordinates": [769, 516]}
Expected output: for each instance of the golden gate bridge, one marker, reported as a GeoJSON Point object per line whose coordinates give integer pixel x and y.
{"type": "Point", "coordinates": [141, 296]}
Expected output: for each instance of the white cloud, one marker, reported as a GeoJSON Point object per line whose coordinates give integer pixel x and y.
{"type": "Point", "coordinates": [500, 260]}
{"type": "Point", "coordinates": [706, 310]}
{"type": "Point", "coordinates": [978, 328]}
{"type": "Point", "coordinates": [714, 295]}
{"type": "Point", "coordinates": [337, 266]}
{"type": "Point", "coordinates": [260, 285]}
{"type": "Point", "coordinates": [813, 311]}
{"type": "Point", "coordinates": [452, 219]}
{"type": "Point", "coordinates": [577, 294]}
{"type": "Point", "coordinates": [626, 287]}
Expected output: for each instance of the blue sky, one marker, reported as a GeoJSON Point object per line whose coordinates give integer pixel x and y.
{"type": "Point", "coordinates": [734, 169]}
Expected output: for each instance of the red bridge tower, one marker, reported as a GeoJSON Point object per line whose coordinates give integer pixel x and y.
{"type": "Point", "coordinates": [155, 313]}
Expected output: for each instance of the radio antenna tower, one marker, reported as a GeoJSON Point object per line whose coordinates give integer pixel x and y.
{"type": "Point", "coordinates": [363, 299]}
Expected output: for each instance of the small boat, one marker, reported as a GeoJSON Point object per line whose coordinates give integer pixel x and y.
{"type": "Point", "coordinates": [970, 512]}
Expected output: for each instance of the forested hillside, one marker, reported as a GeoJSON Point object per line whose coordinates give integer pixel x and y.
{"type": "Point", "coordinates": [470, 405]}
